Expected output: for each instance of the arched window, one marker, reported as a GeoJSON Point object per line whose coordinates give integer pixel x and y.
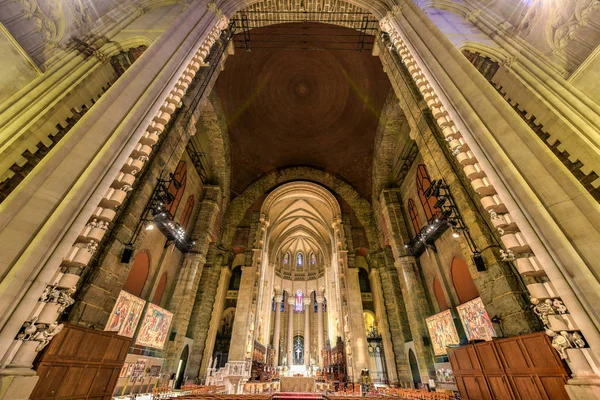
{"type": "Point", "coordinates": [428, 202]}
{"type": "Point", "coordinates": [313, 259]}
{"type": "Point", "coordinates": [187, 212]}
{"type": "Point", "coordinates": [286, 258]}
{"type": "Point", "coordinates": [363, 281]}
{"type": "Point", "coordinates": [300, 259]}
{"type": "Point", "coordinates": [160, 289]}
{"type": "Point", "coordinates": [439, 295]}
{"type": "Point", "coordinates": [462, 280]}
{"type": "Point", "coordinates": [138, 274]}
{"type": "Point", "coordinates": [176, 188]}
{"type": "Point", "coordinates": [414, 216]}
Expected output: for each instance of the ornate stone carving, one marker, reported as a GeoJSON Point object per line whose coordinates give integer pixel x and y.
{"type": "Point", "coordinates": [30, 329]}
{"type": "Point", "coordinates": [577, 340]}
{"type": "Point", "coordinates": [46, 335]}
{"type": "Point", "coordinates": [560, 342]}
{"type": "Point", "coordinates": [543, 310]}
{"type": "Point", "coordinates": [507, 255]}
{"type": "Point", "coordinates": [559, 306]}
{"type": "Point", "coordinates": [61, 296]}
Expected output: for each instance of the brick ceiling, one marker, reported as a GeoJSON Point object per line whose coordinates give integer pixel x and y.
{"type": "Point", "coordinates": [291, 107]}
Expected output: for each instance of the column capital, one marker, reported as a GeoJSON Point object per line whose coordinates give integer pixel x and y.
{"type": "Point", "coordinates": [291, 301]}
{"type": "Point", "coordinates": [320, 299]}
{"type": "Point", "coordinates": [307, 301]}
{"type": "Point", "coordinates": [278, 298]}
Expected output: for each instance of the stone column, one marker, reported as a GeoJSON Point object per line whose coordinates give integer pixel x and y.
{"type": "Point", "coordinates": [417, 309]}
{"type": "Point", "coordinates": [215, 319]}
{"type": "Point", "coordinates": [307, 312]}
{"type": "Point", "coordinates": [181, 303]}
{"type": "Point", "coordinates": [382, 325]}
{"type": "Point", "coordinates": [277, 328]}
{"type": "Point", "coordinates": [244, 319]}
{"type": "Point", "coordinates": [320, 332]}
{"type": "Point", "coordinates": [354, 327]}
{"type": "Point", "coordinates": [290, 341]}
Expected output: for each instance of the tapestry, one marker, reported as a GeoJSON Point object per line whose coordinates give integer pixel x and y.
{"type": "Point", "coordinates": [155, 327]}
{"type": "Point", "coordinates": [476, 320]}
{"type": "Point", "coordinates": [442, 332]}
{"type": "Point", "coordinates": [125, 315]}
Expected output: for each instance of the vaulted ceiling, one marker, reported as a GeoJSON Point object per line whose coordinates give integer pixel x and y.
{"type": "Point", "coordinates": [292, 107]}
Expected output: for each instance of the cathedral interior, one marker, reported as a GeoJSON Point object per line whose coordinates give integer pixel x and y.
{"type": "Point", "coordinates": [242, 199]}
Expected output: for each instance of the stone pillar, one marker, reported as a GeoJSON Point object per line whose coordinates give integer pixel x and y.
{"type": "Point", "coordinates": [290, 341]}
{"type": "Point", "coordinates": [181, 303]}
{"type": "Point", "coordinates": [320, 328]}
{"type": "Point", "coordinates": [417, 309]}
{"type": "Point", "coordinates": [205, 299]}
{"type": "Point", "coordinates": [307, 312]}
{"type": "Point", "coordinates": [243, 324]}
{"type": "Point", "coordinates": [355, 326]}
{"type": "Point", "coordinates": [215, 319]}
{"type": "Point", "coordinates": [277, 328]}
{"type": "Point", "coordinates": [382, 325]}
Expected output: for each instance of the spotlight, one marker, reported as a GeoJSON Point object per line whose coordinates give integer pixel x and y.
{"type": "Point", "coordinates": [150, 226]}
{"type": "Point", "coordinates": [455, 233]}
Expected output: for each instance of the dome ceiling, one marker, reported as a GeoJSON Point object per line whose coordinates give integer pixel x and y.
{"type": "Point", "coordinates": [292, 107]}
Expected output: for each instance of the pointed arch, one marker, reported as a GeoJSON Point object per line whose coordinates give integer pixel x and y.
{"type": "Point", "coordinates": [176, 188]}
{"type": "Point", "coordinates": [187, 212]}
{"type": "Point", "coordinates": [160, 289]}
{"type": "Point", "coordinates": [428, 202]}
{"type": "Point", "coordinates": [138, 274]}
{"type": "Point", "coordinates": [414, 216]}
{"type": "Point", "coordinates": [462, 280]}
{"type": "Point", "coordinates": [439, 295]}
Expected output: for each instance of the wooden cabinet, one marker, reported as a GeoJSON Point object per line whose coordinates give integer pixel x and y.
{"type": "Point", "coordinates": [522, 367]}
{"type": "Point", "coordinates": [80, 363]}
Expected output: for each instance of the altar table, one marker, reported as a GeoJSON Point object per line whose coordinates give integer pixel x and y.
{"type": "Point", "coordinates": [297, 384]}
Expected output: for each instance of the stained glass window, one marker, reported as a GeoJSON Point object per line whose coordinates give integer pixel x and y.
{"type": "Point", "coordinates": [313, 259]}
{"type": "Point", "coordinates": [300, 259]}
{"type": "Point", "coordinates": [299, 301]}
{"type": "Point", "coordinates": [286, 258]}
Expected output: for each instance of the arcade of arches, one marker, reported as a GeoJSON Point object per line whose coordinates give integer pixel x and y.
{"type": "Point", "coordinates": [403, 193]}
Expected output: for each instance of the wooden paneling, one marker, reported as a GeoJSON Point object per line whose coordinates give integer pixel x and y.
{"type": "Point", "coordinates": [80, 363]}
{"type": "Point", "coordinates": [523, 367]}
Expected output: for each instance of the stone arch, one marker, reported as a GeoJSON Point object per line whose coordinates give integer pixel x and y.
{"type": "Point", "coordinates": [138, 274]}
{"type": "Point", "coordinates": [378, 8]}
{"type": "Point", "coordinates": [160, 290]}
{"type": "Point", "coordinates": [237, 208]}
{"type": "Point", "coordinates": [438, 291]}
{"type": "Point", "coordinates": [463, 281]}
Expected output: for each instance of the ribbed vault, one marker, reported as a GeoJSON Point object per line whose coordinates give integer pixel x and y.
{"type": "Point", "coordinates": [300, 217]}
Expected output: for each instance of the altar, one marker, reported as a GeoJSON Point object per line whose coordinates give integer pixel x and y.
{"type": "Point", "coordinates": [297, 384]}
